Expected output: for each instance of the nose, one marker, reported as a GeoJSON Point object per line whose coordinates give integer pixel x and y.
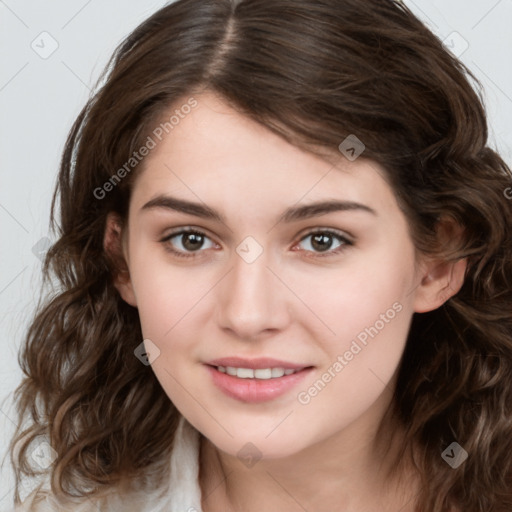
{"type": "Point", "coordinates": [252, 300]}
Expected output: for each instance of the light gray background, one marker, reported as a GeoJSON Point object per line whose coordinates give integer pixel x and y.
{"type": "Point", "coordinates": [40, 98]}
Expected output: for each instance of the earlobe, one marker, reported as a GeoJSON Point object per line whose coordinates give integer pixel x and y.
{"type": "Point", "coordinates": [113, 246]}
{"type": "Point", "coordinates": [441, 281]}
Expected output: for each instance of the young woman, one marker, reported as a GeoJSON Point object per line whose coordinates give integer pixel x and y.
{"type": "Point", "coordinates": [285, 265]}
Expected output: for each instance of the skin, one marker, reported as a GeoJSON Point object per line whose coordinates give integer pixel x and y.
{"type": "Point", "coordinates": [291, 303]}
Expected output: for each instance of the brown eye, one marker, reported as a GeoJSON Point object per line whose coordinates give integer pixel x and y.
{"type": "Point", "coordinates": [186, 241]}
{"type": "Point", "coordinates": [192, 241]}
{"type": "Point", "coordinates": [321, 242]}
{"type": "Point", "coordinates": [324, 241]}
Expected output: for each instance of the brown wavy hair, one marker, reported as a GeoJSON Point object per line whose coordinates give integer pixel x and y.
{"type": "Point", "coordinates": [312, 71]}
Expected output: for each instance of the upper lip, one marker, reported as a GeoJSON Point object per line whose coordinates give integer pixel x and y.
{"type": "Point", "coordinates": [255, 364]}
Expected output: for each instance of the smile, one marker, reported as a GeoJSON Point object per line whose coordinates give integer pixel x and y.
{"type": "Point", "coordinates": [260, 373]}
{"type": "Point", "coordinates": [256, 385]}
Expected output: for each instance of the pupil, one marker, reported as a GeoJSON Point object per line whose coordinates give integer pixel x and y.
{"type": "Point", "coordinates": [195, 238]}
{"type": "Point", "coordinates": [321, 241]}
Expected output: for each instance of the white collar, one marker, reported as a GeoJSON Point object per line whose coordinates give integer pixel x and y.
{"type": "Point", "coordinates": [184, 493]}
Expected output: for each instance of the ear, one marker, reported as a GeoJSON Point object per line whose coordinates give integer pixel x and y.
{"type": "Point", "coordinates": [114, 246]}
{"type": "Point", "coordinates": [441, 278]}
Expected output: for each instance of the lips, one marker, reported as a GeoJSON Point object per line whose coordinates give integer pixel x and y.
{"type": "Point", "coordinates": [248, 380]}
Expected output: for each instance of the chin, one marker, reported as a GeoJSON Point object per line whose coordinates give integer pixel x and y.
{"type": "Point", "coordinates": [256, 446]}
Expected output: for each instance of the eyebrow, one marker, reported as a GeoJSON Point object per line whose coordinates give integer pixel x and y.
{"type": "Point", "coordinates": [294, 213]}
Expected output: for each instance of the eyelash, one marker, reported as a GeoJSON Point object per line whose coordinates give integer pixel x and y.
{"type": "Point", "coordinates": [345, 242]}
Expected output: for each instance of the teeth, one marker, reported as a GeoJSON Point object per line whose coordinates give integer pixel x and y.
{"type": "Point", "coordinates": [260, 373]}
{"type": "Point", "coordinates": [279, 372]}
{"type": "Point", "coordinates": [245, 373]}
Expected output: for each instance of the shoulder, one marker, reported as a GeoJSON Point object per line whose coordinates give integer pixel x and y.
{"type": "Point", "coordinates": [40, 501]}
{"type": "Point", "coordinates": [182, 490]}
{"type": "Point", "coordinates": [43, 500]}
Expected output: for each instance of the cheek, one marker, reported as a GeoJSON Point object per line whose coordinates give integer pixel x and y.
{"type": "Point", "coordinates": [370, 312]}
{"type": "Point", "coordinates": [166, 293]}
{"type": "Point", "coordinates": [365, 292]}
{"type": "Point", "coordinates": [168, 301]}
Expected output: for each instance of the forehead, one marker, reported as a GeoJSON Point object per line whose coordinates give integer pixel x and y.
{"type": "Point", "coordinates": [213, 151]}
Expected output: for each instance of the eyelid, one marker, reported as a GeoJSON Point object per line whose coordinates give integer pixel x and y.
{"type": "Point", "coordinates": [304, 233]}
{"type": "Point", "coordinates": [347, 239]}
{"type": "Point", "coordinates": [338, 232]}
{"type": "Point", "coordinates": [188, 229]}
{"type": "Point", "coordinates": [183, 230]}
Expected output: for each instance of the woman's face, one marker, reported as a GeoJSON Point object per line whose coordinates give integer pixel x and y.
{"type": "Point", "coordinates": [329, 289]}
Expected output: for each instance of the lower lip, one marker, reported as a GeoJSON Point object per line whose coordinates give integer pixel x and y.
{"type": "Point", "coordinates": [256, 390]}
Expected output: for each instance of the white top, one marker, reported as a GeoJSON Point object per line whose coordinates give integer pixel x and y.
{"type": "Point", "coordinates": [183, 494]}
